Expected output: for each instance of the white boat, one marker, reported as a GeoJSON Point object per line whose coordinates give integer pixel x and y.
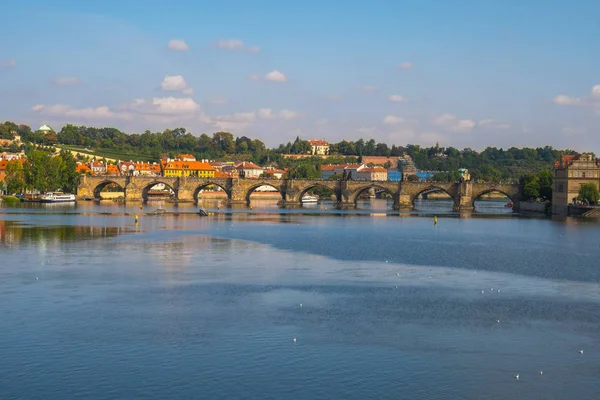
{"type": "Point", "coordinates": [307, 198]}
{"type": "Point", "coordinates": [57, 197]}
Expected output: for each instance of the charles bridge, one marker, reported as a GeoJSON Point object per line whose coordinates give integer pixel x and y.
{"type": "Point", "coordinates": [238, 190]}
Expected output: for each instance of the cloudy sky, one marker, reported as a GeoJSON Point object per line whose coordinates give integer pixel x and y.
{"type": "Point", "coordinates": [466, 73]}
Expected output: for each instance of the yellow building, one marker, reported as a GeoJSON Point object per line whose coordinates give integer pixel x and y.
{"type": "Point", "coordinates": [187, 168]}
{"type": "Point", "coordinates": [569, 174]}
{"type": "Point", "coordinates": [319, 147]}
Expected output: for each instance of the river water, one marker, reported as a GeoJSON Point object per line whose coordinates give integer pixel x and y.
{"type": "Point", "coordinates": [381, 305]}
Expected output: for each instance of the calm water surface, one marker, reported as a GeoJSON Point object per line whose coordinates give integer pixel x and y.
{"type": "Point", "coordinates": [381, 305]}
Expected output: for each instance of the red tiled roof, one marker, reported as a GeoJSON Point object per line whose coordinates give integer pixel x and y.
{"type": "Point", "coordinates": [81, 168]}
{"type": "Point", "coordinates": [248, 165]}
{"type": "Point", "coordinates": [318, 142]}
{"type": "Point", "coordinates": [352, 166]}
{"type": "Point", "coordinates": [219, 174]}
{"type": "Point", "coordinates": [328, 167]}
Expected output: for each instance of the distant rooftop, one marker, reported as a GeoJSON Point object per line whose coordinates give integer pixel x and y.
{"type": "Point", "coordinates": [45, 128]}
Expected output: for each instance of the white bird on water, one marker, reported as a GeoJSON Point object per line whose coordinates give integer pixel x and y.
{"type": "Point", "coordinates": [516, 376]}
{"type": "Point", "coordinates": [294, 340]}
{"type": "Point", "coordinates": [300, 305]}
{"type": "Point", "coordinates": [541, 372]}
{"type": "Point", "coordinates": [580, 351]}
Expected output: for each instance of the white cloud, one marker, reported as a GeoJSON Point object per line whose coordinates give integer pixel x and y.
{"type": "Point", "coordinates": [574, 131]}
{"type": "Point", "coordinates": [452, 123]}
{"type": "Point", "coordinates": [236, 45]}
{"type": "Point", "coordinates": [90, 113]}
{"type": "Point", "coordinates": [402, 136]}
{"type": "Point", "coordinates": [8, 63]}
{"type": "Point", "coordinates": [178, 45]}
{"type": "Point", "coordinates": [267, 113]}
{"type": "Point", "coordinates": [564, 100]}
{"type": "Point", "coordinates": [366, 130]}
{"type": "Point", "coordinates": [405, 65]}
{"type": "Point", "coordinates": [243, 120]}
{"type": "Point", "coordinates": [233, 122]}
{"type": "Point", "coordinates": [238, 117]}
{"type": "Point", "coordinates": [367, 89]}
{"type": "Point", "coordinates": [175, 83]}
{"type": "Point", "coordinates": [430, 138]}
{"type": "Point", "coordinates": [155, 110]}
{"type": "Point", "coordinates": [490, 123]}
{"type": "Point", "coordinates": [219, 100]}
{"type": "Point", "coordinates": [289, 114]}
{"type": "Point", "coordinates": [392, 120]}
{"type": "Point", "coordinates": [276, 76]}
{"type": "Point", "coordinates": [67, 81]}
{"type": "Point", "coordinates": [396, 98]}
{"type": "Point", "coordinates": [230, 44]}
{"type": "Point", "coordinates": [167, 106]}
{"type": "Point", "coordinates": [592, 100]}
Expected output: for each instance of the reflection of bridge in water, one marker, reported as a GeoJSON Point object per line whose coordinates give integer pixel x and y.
{"type": "Point", "coordinates": [238, 190]}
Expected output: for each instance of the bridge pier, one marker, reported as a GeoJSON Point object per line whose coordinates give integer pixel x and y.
{"type": "Point", "coordinates": [404, 202]}
{"type": "Point", "coordinates": [184, 196]}
{"type": "Point", "coordinates": [133, 193]}
{"type": "Point", "coordinates": [290, 204]}
{"type": "Point", "coordinates": [345, 205]}
{"type": "Point", "coordinates": [463, 204]}
{"type": "Point", "coordinates": [516, 206]}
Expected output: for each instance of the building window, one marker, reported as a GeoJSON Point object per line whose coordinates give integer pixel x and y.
{"type": "Point", "coordinates": [560, 188]}
{"type": "Point", "coordinates": [583, 174]}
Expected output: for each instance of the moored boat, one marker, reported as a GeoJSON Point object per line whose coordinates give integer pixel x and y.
{"type": "Point", "coordinates": [307, 198]}
{"type": "Point", "coordinates": [57, 197]}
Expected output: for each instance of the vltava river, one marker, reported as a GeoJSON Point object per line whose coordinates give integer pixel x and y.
{"type": "Point", "coordinates": [299, 304]}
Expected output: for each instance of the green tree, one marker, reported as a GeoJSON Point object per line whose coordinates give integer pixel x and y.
{"type": "Point", "coordinates": [70, 177]}
{"type": "Point", "coordinates": [545, 181]}
{"type": "Point", "coordinates": [531, 187]}
{"type": "Point", "coordinates": [54, 173]}
{"type": "Point", "coordinates": [15, 177]}
{"type": "Point", "coordinates": [35, 170]}
{"type": "Point", "coordinates": [589, 192]}
{"type": "Point", "coordinates": [305, 171]}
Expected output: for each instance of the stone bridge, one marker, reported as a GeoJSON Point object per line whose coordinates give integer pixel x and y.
{"type": "Point", "coordinates": [238, 190]}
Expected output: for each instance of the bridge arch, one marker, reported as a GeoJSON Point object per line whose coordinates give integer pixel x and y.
{"type": "Point", "coordinates": [433, 189]}
{"type": "Point", "coordinates": [102, 185]}
{"type": "Point", "coordinates": [150, 185]}
{"type": "Point", "coordinates": [203, 186]}
{"type": "Point", "coordinates": [251, 189]}
{"type": "Point", "coordinates": [353, 198]}
{"type": "Point", "coordinates": [511, 197]}
{"type": "Point", "coordinates": [317, 185]}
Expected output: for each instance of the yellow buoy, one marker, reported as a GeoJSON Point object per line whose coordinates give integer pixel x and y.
{"type": "Point", "coordinates": [325, 208]}
{"type": "Point", "coordinates": [435, 219]}
{"type": "Point", "coordinates": [136, 219]}
{"type": "Point", "coordinates": [141, 206]}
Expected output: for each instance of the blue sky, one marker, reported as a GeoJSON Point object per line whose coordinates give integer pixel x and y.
{"type": "Point", "coordinates": [464, 73]}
